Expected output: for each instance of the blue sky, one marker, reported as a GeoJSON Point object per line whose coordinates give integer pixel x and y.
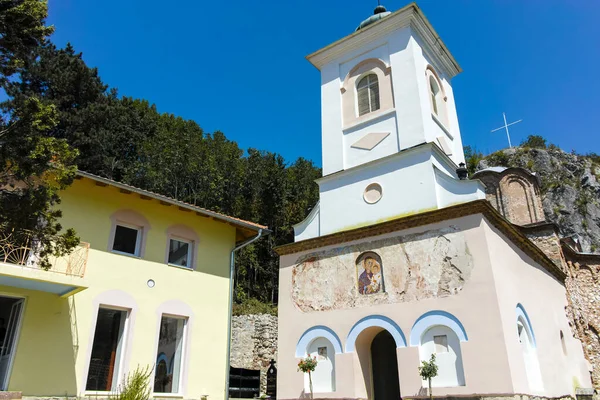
{"type": "Point", "coordinates": [239, 67]}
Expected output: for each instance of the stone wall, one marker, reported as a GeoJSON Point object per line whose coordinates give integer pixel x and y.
{"type": "Point", "coordinates": [583, 291]}
{"type": "Point", "coordinates": [254, 343]}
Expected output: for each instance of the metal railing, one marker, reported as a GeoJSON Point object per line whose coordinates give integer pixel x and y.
{"type": "Point", "coordinates": [19, 247]}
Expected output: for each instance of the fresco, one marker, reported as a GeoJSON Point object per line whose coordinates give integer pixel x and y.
{"type": "Point", "coordinates": [434, 263]}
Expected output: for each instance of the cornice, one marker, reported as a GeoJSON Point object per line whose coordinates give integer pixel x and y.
{"type": "Point", "coordinates": [409, 16]}
{"type": "Point", "coordinates": [573, 255]}
{"type": "Point", "coordinates": [461, 210]}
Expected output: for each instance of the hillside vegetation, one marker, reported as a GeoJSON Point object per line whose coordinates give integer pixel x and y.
{"type": "Point", "coordinates": [570, 184]}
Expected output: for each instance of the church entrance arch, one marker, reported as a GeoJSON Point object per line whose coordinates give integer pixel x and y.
{"type": "Point", "coordinates": [384, 367]}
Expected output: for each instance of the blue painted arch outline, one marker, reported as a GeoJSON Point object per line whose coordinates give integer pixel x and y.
{"type": "Point", "coordinates": [522, 314]}
{"type": "Point", "coordinates": [436, 318]}
{"type": "Point", "coordinates": [379, 321]}
{"type": "Point", "coordinates": [314, 333]}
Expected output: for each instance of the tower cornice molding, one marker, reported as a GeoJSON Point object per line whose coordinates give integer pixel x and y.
{"type": "Point", "coordinates": [409, 16]}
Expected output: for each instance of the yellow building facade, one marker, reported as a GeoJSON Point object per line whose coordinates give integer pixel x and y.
{"type": "Point", "coordinates": [148, 286]}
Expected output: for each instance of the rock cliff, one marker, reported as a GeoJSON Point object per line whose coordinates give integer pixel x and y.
{"type": "Point", "coordinates": [570, 186]}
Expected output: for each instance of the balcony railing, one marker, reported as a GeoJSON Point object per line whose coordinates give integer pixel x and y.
{"type": "Point", "coordinates": [19, 248]}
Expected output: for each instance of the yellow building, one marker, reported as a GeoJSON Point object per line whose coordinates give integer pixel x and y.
{"type": "Point", "coordinates": [148, 286]}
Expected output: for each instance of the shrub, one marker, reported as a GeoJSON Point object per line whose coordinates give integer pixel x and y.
{"type": "Point", "coordinates": [254, 306]}
{"type": "Point", "coordinates": [534, 142]}
{"type": "Point", "coordinates": [136, 385]}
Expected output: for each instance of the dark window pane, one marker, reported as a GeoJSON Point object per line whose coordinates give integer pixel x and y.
{"type": "Point", "coordinates": [125, 239]}
{"type": "Point", "coordinates": [106, 350]}
{"type": "Point", "coordinates": [178, 253]}
{"type": "Point", "coordinates": [169, 355]}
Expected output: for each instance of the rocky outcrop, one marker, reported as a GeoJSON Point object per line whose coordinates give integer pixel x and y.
{"type": "Point", "coordinates": [254, 343]}
{"type": "Point", "coordinates": [570, 188]}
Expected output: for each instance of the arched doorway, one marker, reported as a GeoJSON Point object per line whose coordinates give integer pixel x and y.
{"type": "Point", "coordinates": [386, 385]}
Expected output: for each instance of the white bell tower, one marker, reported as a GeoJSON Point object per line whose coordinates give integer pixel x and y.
{"type": "Point", "coordinates": [390, 135]}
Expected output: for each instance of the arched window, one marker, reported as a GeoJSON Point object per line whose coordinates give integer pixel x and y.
{"type": "Point", "coordinates": [436, 95]}
{"type": "Point", "coordinates": [368, 94]}
{"type": "Point", "coordinates": [528, 347]}
{"type": "Point", "coordinates": [445, 344]}
{"type": "Point", "coordinates": [323, 378]}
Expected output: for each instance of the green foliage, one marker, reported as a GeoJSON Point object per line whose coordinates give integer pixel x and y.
{"type": "Point", "coordinates": [534, 142]}
{"type": "Point", "coordinates": [254, 306]}
{"type": "Point", "coordinates": [472, 158]}
{"type": "Point", "coordinates": [307, 364]}
{"type": "Point", "coordinates": [22, 31]}
{"type": "Point", "coordinates": [428, 369]}
{"type": "Point", "coordinates": [498, 158]}
{"type": "Point", "coordinates": [136, 385]}
{"type": "Point", "coordinates": [35, 165]}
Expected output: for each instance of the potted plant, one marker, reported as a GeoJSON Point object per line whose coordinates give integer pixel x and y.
{"type": "Point", "coordinates": [307, 365]}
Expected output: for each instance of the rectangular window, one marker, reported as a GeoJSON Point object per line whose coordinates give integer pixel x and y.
{"type": "Point", "coordinates": [169, 355]}
{"type": "Point", "coordinates": [180, 253]}
{"type": "Point", "coordinates": [107, 350]}
{"type": "Point", "coordinates": [127, 240]}
{"type": "Point", "coordinates": [441, 343]}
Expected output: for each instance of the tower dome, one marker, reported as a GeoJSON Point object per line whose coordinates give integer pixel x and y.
{"type": "Point", "coordinates": [379, 13]}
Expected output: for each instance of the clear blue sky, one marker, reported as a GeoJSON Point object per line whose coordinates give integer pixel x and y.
{"type": "Point", "coordinates": [231, 65]}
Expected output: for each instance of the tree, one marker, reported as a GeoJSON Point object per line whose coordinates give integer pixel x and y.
{"type": "Point", "coordinates": [308, 365]}
{"type": "Point", "coordinates": [34, 166]}
{"type": "Point", "coordinates": [472, 158]}
{"type": "Point", "coordinates": [22, 30]}
{"type": "Point", "coordinates": [429, 370]}
{"type": "Point", "coordinates": [534, 142]}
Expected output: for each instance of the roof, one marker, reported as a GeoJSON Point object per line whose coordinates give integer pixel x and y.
{"type": "Point", "coordinates": [410, 15]}
{"type": "Point", "coordinates": [247, 226]}
{"type": "Point", "coordinates": [483, 207]}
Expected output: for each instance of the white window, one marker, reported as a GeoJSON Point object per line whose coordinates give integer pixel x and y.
{"type": "Point", "coordinates": [368, 94]}
{"type": "Point", "coordinates": [323, 377]}
{"type": "Point", "coordinates": [127, 239]}
{"type": "Point", "coordinates": [107, 350]}
{"type": "Point", "coordinates": [180, 252]}
{"type": "Point", "coordinates": [441, 343]}
{"type": "Point", "coordinates": [444, 343]}
{"type": "Point", "coordinates": [169, 355]}
{"type": "Point", "coordinates": [434, 92]}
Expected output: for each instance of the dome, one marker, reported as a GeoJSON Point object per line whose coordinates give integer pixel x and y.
{"type": "Point", "coordinates": [379, 13]}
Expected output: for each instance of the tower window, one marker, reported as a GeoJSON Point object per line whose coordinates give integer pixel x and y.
{"type": "Point", "coordinates": [434, 90]}
{"type": "Point", "coordinates": [368, 94]}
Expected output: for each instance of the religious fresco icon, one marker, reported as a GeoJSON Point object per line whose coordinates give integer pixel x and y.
{"type": "Point", "coordinates": [370, 273]}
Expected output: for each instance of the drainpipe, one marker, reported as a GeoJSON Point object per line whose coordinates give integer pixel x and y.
{"type": "Point", "coordinates": [231, 276]}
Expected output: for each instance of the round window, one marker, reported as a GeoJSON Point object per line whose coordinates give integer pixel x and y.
{"type": "Point", "coordinates": [373, 193]}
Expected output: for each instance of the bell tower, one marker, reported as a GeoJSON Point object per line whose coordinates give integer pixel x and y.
{"type": "Point", "coordinates": [390, 135]}
{"type": "Point", "coordinates": [386, 88]}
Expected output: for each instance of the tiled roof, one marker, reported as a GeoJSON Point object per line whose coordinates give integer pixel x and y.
{"type": "Point", "coordinates": [225, 218]}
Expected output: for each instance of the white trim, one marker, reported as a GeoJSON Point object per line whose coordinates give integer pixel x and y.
{"type": "Point", "coordinates": [314, 333]}
{"type": "Point", "coordinates": [16, 340]}
{"type": "Point", "coordinates": [435, 318]}
{"type": "Point", "coordinates": [368, 117]}
{"type": "Point", "coordinates": [379, 321]}
{"type": "Point", "coordinates": [441, 125]}
{"type": "Point", "coordinates": [190, 253]}
{"type": "Point", "coordinates": [138, 239]}
{"type": "Point", "coordinates": [182, 361]}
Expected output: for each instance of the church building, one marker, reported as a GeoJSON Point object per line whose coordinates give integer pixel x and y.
{"type": "Point", "coordinates": [404, 257]}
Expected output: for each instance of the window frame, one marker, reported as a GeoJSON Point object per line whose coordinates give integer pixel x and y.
{"type": "Point", "coordinates": [369, 88]}
{"type": "Point", "coordinates": [138, 239]}
{"type": "Point", "coordinates": [437, 101]}
{"type": "Point", "coordinates": [183, 357]}
{"type": "Point", "coordinates": [122, 350]}
{"type": "Point", "coordinates": [190, 253]}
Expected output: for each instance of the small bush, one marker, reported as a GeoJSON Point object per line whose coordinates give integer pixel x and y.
{"type": "Point", "coordinates": [254, 306]}
{"type": "Point", "coordinates": [534, 142]}
{"type": "Point", "coordinates": [136, 385]}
